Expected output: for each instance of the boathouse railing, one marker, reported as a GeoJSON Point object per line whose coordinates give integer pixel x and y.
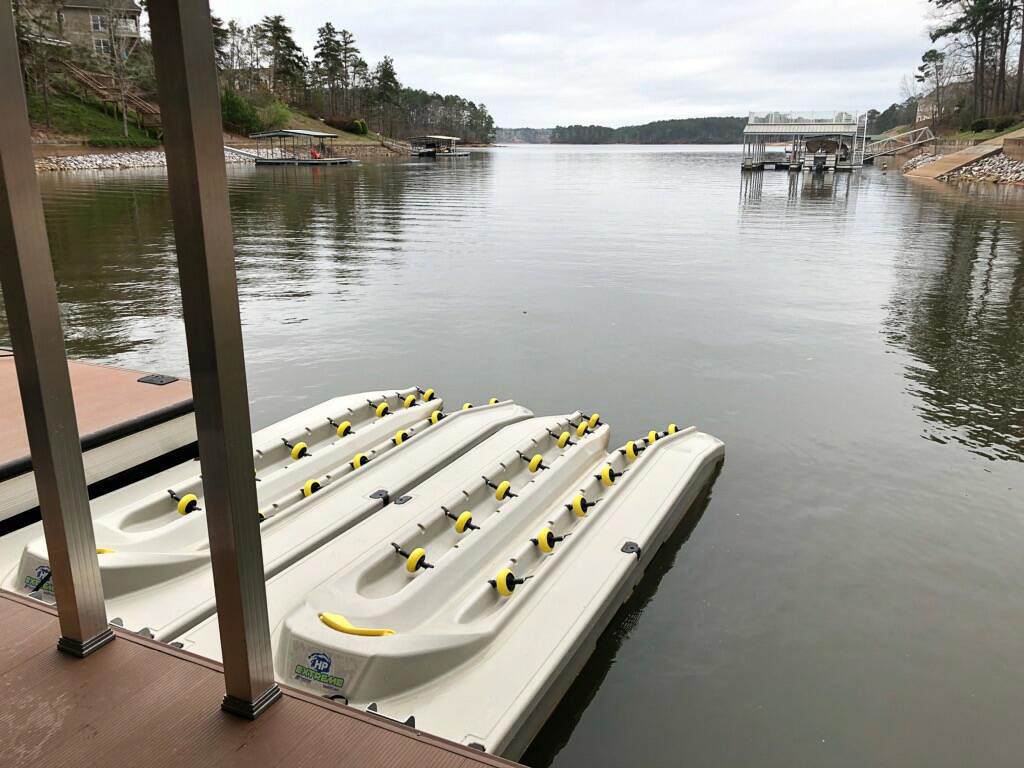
{"type": "Point", "coordinates": [190, 102]}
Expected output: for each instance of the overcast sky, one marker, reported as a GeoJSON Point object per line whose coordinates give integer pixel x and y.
{"type": "Point", "coordinates": [539, 64]}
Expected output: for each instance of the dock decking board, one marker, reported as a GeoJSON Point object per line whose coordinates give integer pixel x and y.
{"type": "Point", "coordinates": [105, 398]}
{"type": "Point", "coordinates": [137, 702]}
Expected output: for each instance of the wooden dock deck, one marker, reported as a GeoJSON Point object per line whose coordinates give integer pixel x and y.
{"type": "Point", "coordinates": [141, 703]}
{"type": "Point", "coordinates": [955, 160]}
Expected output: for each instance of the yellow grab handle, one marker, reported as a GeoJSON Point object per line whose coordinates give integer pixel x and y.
{"type": "Point", "coordinates": [410, 401]}
{"type": "Point", "coordinates": [382, 410]}
{"type": "Point", "coordinates": [344, 428]}
{"type": "Point", "coordinates": [341, 624]}
{"type": "Point", "coordinates": [187, 503]}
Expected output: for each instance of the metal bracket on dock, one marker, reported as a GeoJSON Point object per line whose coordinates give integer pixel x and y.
{"type": "Point", "coordinates": [157, 378]}
{"type": "Point", "coordinates": [403, 499]}
{"type": "Point", "coordinates": [631, 548]}
{"type": "Point", "coordinates": [409, 721]}
{"type": "Point", "coordinates": [383, 495]}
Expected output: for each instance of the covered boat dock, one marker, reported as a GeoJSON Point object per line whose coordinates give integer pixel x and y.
{"type": "Point", "coordinates": [297, 147]}
{"type": "Point", "coordinates": [816, 141]}
{"type": "Point", "coordinates": [436, 146]}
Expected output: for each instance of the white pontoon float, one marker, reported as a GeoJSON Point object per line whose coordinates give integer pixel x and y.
{"type": "Point", "coordinates": [468, 610]}
{"type": "Point", "coordinates": [452, 572]}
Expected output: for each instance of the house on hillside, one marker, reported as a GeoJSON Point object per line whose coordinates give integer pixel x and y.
{"type": "Point", "coordinates": [101, 26]}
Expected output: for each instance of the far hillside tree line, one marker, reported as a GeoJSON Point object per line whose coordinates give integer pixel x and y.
{"type": "Point", "coordinates": [691, 130]}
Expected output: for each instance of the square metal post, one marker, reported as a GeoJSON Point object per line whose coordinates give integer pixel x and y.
{"type": "Point", "coordinates": [30, 296]}
{"type": "Point", "coordinates": [194, 142]}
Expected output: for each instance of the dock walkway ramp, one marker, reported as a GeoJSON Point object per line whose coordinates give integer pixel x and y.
{"type": "Point", "coordinates": [956, 160]}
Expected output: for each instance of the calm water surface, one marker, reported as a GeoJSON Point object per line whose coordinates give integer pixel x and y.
{"type": "Point", "coordinates": [854, 592]}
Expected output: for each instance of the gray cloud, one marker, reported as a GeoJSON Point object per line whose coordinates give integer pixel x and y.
{"type": "Point", "coordinates": [617, 63]}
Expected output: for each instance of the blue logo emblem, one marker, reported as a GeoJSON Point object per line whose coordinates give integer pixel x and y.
{"type": "Point", "coordinates": [320, 662]}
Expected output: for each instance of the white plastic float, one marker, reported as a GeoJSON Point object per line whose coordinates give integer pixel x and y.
{"type": "Point", "coordinates": [468, 609]}
{"type": "Point", "coordinates": [319, 473]}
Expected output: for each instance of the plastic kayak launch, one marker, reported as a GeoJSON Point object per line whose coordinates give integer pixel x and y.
{"type": "Point", "coordinates": [468, 608]}
{"type": "Point", "coordinates": [452, 571]}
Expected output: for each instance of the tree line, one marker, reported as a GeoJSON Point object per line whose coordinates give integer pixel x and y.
{"type": "Point", "coordinates": [974, 77]}
{"type": "Point", "coordinates": [264, 61]}
{"type": "Point", "coordinates": [690, 130]}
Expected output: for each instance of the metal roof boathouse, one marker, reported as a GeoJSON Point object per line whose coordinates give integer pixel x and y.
{"type": "Point", "coordinates": [297, 147]}
{"type": "Point", "coordinates": [816, 141]}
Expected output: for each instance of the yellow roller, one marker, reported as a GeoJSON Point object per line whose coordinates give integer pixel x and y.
{"type": "Point", "coordinates": [493, 401]}
{"type": "Point", "coordinates": [104, 551]}
{"type": "Point", "coordinates": [463, 521]}
{"type": "Point", "coordinates": [401, 436]}
{"type": "Point", "coordinates": [535, 462]}
{"type": "Point", "coordinates": [359, 459]}
{"type": "Point", "coordinates": [436, 416]}
{"type": "Point", "coordinates": [581, 430]}
{"type": "Point", "coordinates": [344, 428]}
{"type": "Point", "coordinates": [502, 490]}
{"type": "Point", "coordinates": [299, 450]}
{"type": "Point", "coordinates": [652, 436]}
{"type": "Point", "coordinates": [428, 395]}
{"type": "Point", "coordinates": [505, 582]}
{"type": "Point", "coordinates": [382, 410]}
{"type": "Point", "coordinates": [563, 439]}
{"type": "Point", "coordinates": [466, 406]}
{"type": "Point", "coordinates": [341, 624]}
{"type": "Point", "coordinates": [310, 487]}
{"type": "Point", "coordinates": [594, 420]}
{"type": "Point", "coordinates": [631, 450]}
{"type": "Point", "coordinates": [187, 503]}
{"type": "Point", "coordinates": [546, 540]}
{"type": "Point", "coordinates": [410, 401]}
{"type": "Point", "coordinates": [608, 475]}
{"type": "Point", "coordinates": [579, 505]}
{"type": "Point", "coordinates": [415, 559]}
{"type": "Point", "coordinates": [672, 429]}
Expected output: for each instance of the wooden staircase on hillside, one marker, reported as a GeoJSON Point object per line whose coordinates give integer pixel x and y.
{"type": "Point", "coordinates": [105, 89]}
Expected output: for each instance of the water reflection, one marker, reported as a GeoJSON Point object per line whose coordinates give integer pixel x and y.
{"type": "Point", "coordinates": [796, 187]}
{"type": "Point", "coordinates": [960, 314]}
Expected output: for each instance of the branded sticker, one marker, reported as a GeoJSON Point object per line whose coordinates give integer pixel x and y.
{"type": "Point", "coordinates": [318, 670]}
{"type": "Point", "coordinates": [32, 582]}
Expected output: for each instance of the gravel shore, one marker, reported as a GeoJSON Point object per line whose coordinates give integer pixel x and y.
{"type": "Point", "coordinates": [998, 169]}
{"type": "Point", "coordinates": [114, 161]}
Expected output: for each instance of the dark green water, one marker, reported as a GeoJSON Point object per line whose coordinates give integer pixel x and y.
{"type": "Point", "coordinates": [854, 592]}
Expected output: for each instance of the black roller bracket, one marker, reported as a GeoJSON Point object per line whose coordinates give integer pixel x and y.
{"type": "Point", "coordinates": [157, 378]}
{"type": "Point", "coordinates": [336, 697]}
{"type": "Point", "coordinates": [403, 499]}
{"type": "Point", "coordinates": [631, 548]}
{"type": "Point", "coordinates": [477, 745]}
{"type": "Point", "coordinates": [146, 632]}
{"type": "Point", "coordinates": [383, 495]}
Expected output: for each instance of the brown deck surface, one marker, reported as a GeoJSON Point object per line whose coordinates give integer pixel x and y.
{"type": "Point", "coordinates": [140, 703]}
{"type": "Point", "coordinates": [104, 397]}
{"type": "Point", "coordinates": [954, 160]}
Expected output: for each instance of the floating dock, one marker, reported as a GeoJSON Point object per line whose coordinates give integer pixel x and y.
{"type": "Point", "coordinates": [450, 571]}
{"type": "Point", "coordinates": [125, 419]}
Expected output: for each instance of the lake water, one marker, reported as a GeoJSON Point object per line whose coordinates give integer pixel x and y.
{"type": "Point", "coordinates": [854, 591]}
